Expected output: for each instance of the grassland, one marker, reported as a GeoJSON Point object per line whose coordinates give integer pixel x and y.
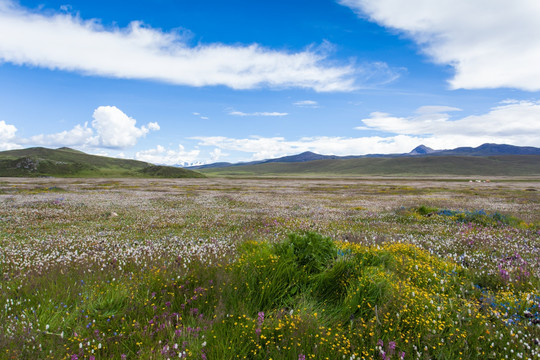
{"type": "Point", "coordinates": [507, 165]}
{"type": "Point", "coordinates": [66, 162]}
{"type": "Point", "coordinates": [299, 269]}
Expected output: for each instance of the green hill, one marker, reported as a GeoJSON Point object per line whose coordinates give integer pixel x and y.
{"type": "Point", "coordinates": [66, 162]}
{"type": "Point", "coordinates": [504, 165]}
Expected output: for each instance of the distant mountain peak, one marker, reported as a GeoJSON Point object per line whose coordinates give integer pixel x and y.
{"type": "Point", "coordinates": [422, 150]}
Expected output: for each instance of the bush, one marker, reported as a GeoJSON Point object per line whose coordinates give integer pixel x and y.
{"type": "Point", "coordinates": [311, 251]}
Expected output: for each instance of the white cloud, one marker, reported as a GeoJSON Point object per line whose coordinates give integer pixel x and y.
{"type": "Point", "coordinates": [66, 42]}
{"type": "Point", "coordinates": [217, 154]}
{"type": "Point", "coordinates": [306, 103]}
{"type": "Point", "coordinates": [274, 113]}
{"type": "Point", "coordinates": [200, 116]}
{"type": "Point", "coordinates": [264, 148]}
{"type": "Point", "coordinates": [490, 43]}
{"type": "Point", "coordinates": [117, 130]}
{"type": "Point", "coordinates": [435, 109]}
{"type": "Point", "coordinates": [163, 156]}
{"type": "Point", "coordinates": [78, 136]}
{"type": "Point", "coordinates": [111, 128]}
{"type": "Point", "coordinates": [7, 136]}
{"type": "Point", "coordinates": [512, 122]}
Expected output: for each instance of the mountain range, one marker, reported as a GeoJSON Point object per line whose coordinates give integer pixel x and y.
{"type": "Point", "coordinates": [421, 150]}
{"type": "Point", "coordinates": [485, 160]}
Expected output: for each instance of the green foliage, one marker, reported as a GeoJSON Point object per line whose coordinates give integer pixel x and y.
{"type": "Point", "coordinates": [426, 210]}
{"type": "Point", "coordinates": [176, 277]}
{"type": "Point", "coordinates": [507, 165]}
{"type": "Point", "coordinates": [169, 172]}
{"type": "Point", "coordinates": [65, 162]}
{"type": "Point", "coordinates": [479, 217]}
{"type": "Point", "coordinates": [311, 251]}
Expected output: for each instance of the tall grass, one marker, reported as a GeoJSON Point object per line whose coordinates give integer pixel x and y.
{"type": "Point", "coordinates": [306, 296]}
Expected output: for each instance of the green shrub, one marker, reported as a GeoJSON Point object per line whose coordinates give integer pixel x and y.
{"type": "Point", "coordinates": [311, 251]}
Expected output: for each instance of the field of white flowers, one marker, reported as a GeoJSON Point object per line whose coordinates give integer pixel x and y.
{"type": "Point", "coordinates": [195, 268]}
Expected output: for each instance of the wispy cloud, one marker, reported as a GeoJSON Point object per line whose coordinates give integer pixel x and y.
{"type": "Point", "coordinates": [66, 42]}
{"type": "Point", "coordinates": [306, 103]}
{"type": "Point", "coordinates": [258, 148]}
{"type": "Point", "coordinates": [273, 113]}
{"type": "Point", "coordinates": [200, 116]}
{"type": "Point", "coordinates": [490, 44]}
{"type": "Point", "coordinates": [513, 122]}
{"type": "Point", "coordinates": [161, 155]}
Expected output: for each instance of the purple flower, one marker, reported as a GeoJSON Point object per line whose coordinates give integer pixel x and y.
{"type": "Point", "coordinates": [391, 347]}
{"type": "Point", "coordinates": [165, 350]}
{"type": "Point", "coordinates": [301, 357]}
{"type": "Point", "coordinates": [260, 318]}
{"type": "Point", "coordinates": [123, 356]}
{"type": "Point", "coordinates": [402, 355]}
{"type": "Point", "coordinates": [380, 343]}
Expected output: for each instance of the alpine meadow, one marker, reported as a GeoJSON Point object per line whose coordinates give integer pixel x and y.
{"type": "Point", "coordinates": [269, 180]}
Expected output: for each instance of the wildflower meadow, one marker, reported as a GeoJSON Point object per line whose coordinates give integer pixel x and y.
{"type": "Point", "coordinates": [291, 269]}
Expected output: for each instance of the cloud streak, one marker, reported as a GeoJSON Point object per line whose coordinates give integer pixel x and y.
{"type": "Point", "coordinates": [512, 122]}
{"type": "Point", "coordinates": [264, 113]}
{"type": "Point", "coordinates": [490, 44]}
{"type": "Point", "coordinates": [161, 155]}
{"type": "Point", "coordinates": [306, 104]}
{"type": "Point", "coordinates": [66, 42]}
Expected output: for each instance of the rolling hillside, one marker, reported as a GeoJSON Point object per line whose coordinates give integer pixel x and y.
{"type": "Point", "coordinates": [66, 162]}
{"type": "Point", "coordinates": [504, 165]}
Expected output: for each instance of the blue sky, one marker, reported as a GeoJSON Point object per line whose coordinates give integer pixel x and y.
{"type": "Point", "coordinates": [184, 82]}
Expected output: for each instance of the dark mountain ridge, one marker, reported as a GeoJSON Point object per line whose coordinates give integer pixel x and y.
{"type": "Point", "coordinates": [421, 150]}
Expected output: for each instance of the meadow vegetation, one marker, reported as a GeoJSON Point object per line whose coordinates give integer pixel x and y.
{"type": "Point", "coordinates": [269, 269]}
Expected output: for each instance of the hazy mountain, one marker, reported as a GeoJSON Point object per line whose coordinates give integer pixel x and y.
{"type": "Point", "coordinates": [421, 150]}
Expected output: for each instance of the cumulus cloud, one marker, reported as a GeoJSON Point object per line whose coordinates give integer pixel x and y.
{"type": "Point", "coordinates": [117, 130]}
{"type": "Point", "coordinates": [66, 42]}
{"type": "Point", "coordinates": [490, 44]}
{"type": "Point", "coordinates": [111, 128]}
{"type": "Point", "coordinates": [264, 113]}
{"type": "Point", "coordinates": [163, 156]}
{"type": "Point", "coordinates": [7, 136]}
